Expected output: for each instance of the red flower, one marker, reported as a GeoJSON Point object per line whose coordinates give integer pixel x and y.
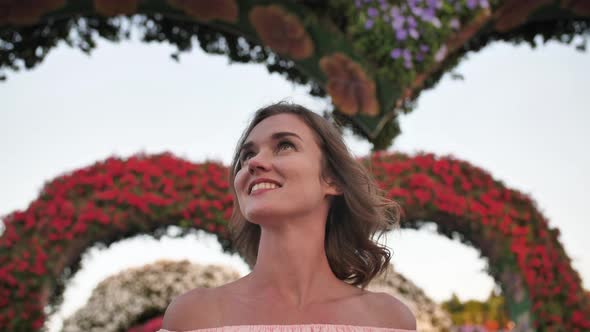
{"type": "Point", "coordinates": [422, 195]}
{"type": "Point", "coordinates": [420, 181]}
{"type": "Point", "coordinates": [520, 231]}
{"type": "Point", "coordinates": [398, 193]}
{"type": "Point", "coordinates": [580, 319]}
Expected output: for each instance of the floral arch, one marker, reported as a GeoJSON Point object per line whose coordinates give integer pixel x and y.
{"type": "Point", "coordinates": [42, 246]}
{"type": "Point", "coordinates": [371, 57]}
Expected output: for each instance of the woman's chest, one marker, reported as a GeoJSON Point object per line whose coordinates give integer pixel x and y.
{"type": "Point", "coordinates": [261, 312]}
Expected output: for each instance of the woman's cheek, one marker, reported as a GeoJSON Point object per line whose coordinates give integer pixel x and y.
{"type": "Point", "coordinates": [239, 183]}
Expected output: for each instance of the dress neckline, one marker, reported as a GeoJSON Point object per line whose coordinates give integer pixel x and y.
{"type": "Point", "coordinates": [297, 325]}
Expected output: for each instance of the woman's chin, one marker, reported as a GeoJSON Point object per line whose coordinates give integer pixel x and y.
{"type": "Point", "coordinates": [262, 214]}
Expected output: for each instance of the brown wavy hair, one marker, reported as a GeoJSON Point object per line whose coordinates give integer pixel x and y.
{"type": "Point", "coordinates": [354, 218]}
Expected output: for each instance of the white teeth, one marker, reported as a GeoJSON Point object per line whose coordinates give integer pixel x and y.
{"type": "Point", "coordinates": [263, 185]}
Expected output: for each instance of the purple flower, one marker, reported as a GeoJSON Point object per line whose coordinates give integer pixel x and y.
{"type": "Point", "coordinates": [413, 33]}
{"type": "Point", "coordinates": [419, 57]}
{"type": "Point", "coordinates": [441, 53]}
{"type": "Point", "coordinates": [401, 34]}
{"type": "Point", "coordinates": [369, 24]}
{"type": "Point", "coordinates": [434, 3]}
{"type": "Point", "coordinates": [397, 23]}
{"type": "Point", "coordinates": [357, 3]}
{"type": "Point", "coordinates": [424, 48]}
{"type": "Point", "coordinates": [407, 55]}
{"type": "Point", "coordinates": [428, 15]}
{"type": "Point", "coordinates": [396, 53]}
{"type": "Point", "coordinates": [436, 22]}
{"type": "Point", "coordinates": [394, 12]}
{"type": "Point", "coordinates": [372, 12]}
{"type": "Point", "coordinates": [417, 10]}
{"type": "Point", "coordinates": [411, 22]}
{"type": "Point", "coordinates": [471, 4]}
{"type": "Point", "coordinates": [454, 23]}
{"type": "Point", "coordinates": [408, 64]}
{"type": "Point", "coordinates": [484, 4]}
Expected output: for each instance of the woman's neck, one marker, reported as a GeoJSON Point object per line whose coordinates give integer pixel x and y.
{"type": "Point", "coordinates": [292, 266]}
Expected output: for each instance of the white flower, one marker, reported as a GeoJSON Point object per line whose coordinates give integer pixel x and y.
{"type": "Point", "coordinates": [120, 300]}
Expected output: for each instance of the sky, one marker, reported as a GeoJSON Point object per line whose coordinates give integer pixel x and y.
{"type": "Point", "coordinates": [520, 113]}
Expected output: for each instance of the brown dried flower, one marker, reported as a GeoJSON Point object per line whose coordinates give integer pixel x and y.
{"type": "Point", "coordinates": [115, 7]}
{"type": "Point", "coordinates": [208, 10]}
{"type": "Point", "coordinates": [515, 13]}
{"type": "Point", "coordinates": [24, 12]}
{"type": "Point", "coordinates": [352, 91]}
{"type": "Point", "coordinates": [580, 7]}
{"type": "Point", "coordinates": [281, 31]}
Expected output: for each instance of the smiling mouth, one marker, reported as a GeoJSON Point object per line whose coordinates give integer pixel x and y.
{"type": "Point", "coordinates": [263, 186]}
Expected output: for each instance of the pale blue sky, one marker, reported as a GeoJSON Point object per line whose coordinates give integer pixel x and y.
{"type": "Point", "coordinates": [521, 114]}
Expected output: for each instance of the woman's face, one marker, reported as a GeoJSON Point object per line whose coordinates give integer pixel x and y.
{"type": "Point", "coordinates": [280, 175]}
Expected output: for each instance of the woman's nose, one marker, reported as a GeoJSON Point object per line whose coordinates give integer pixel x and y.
{"type": "Point", "coordinates": [259, 162]}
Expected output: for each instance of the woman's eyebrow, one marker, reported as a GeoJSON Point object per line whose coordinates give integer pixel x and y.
{"type": "Point", "coordinates": [282, 134]}
{"type": "Point", "coordinates": [275, 136]}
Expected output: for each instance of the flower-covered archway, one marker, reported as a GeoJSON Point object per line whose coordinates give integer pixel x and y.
{"type": "Point", "coordinates": [41, 246]}
{"type": "Point", "coordinates": [371, 57]}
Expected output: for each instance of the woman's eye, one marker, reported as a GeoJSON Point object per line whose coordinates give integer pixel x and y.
{"type": "Point", "coordinates": [246, 156]}
{"type": "Point", "coordinates": [285, 145]}
{"type": "Point", "coordinates": [281, 146]}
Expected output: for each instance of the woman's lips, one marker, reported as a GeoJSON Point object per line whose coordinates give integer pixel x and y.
{"type": "Point", "coordinates": [261, 191]}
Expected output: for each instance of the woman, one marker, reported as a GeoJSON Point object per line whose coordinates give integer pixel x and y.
{"type": "Point", "coordinates": [305, 213]}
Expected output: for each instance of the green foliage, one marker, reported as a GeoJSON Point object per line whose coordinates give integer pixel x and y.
{"type": "Point", "coordinates": [477, 312]}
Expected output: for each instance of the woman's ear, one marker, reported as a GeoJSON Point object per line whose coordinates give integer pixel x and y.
{"type": "Point", "coordinates": [332, 188]}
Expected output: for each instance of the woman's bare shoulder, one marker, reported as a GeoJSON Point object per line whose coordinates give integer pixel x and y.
{"type": "Point", "coordinates": [392, 312]}
{"type": "Point", "coordinates": [195, 309]}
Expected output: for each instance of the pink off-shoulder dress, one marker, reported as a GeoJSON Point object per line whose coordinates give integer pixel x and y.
{"type": "Point", "coordinates": [296, 328]}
